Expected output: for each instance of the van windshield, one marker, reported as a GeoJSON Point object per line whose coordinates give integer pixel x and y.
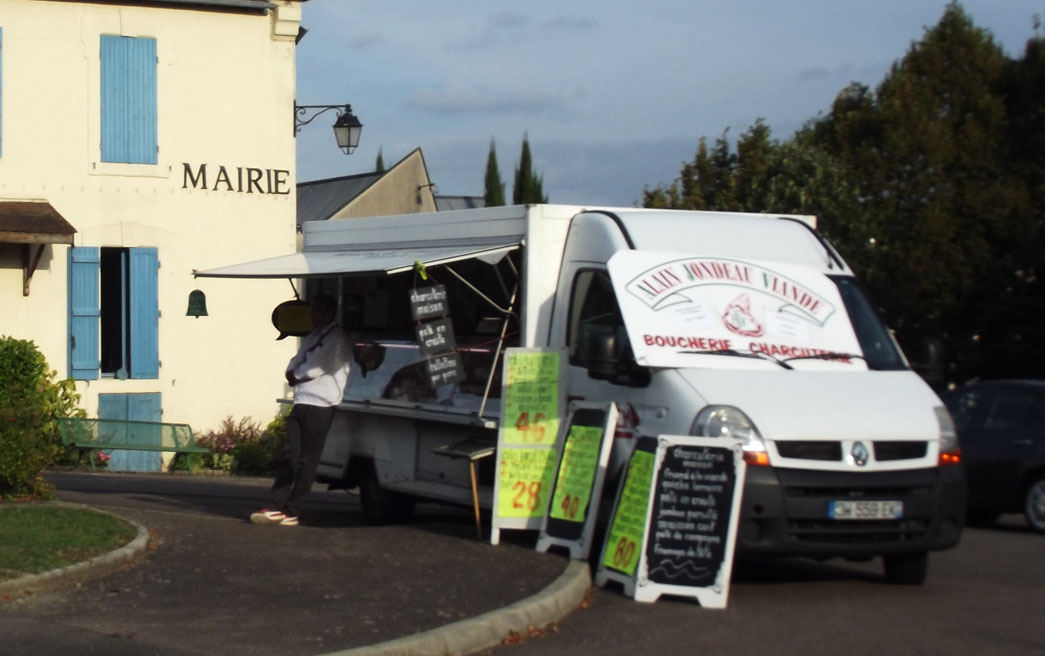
{"type": "Point", "coordinates": [876, 342]}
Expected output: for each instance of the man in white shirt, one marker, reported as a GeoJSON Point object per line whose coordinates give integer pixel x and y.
{"type": "Point", "coordinates": [318, 374]}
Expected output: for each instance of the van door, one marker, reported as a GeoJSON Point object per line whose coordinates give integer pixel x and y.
{"type": "Point", "coordinates": [602, 368]}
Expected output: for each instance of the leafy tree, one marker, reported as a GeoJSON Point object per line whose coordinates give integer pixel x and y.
{"type": "Point", "coordinates": [494, 194]}
{"type": "Point", "coordinates": [529, 187]}
{"type": "Point", "coordinates": [932, 186]}
{"type": "Point", "coordinates": [379, 165]}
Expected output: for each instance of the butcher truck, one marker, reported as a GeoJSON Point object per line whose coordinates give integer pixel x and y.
{"type": "Point", "coordinates": [748, 326]}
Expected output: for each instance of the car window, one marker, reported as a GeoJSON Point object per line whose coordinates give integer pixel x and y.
{"type": "Point", "coordinates": [1012, 408]}
{"type": "Point", "coordinates": [968, 408]}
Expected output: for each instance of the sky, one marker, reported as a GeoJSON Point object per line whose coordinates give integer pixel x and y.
{"type": "Point", "coordinates": [613, 96]}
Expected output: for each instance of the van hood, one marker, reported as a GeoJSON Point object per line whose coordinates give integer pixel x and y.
{"type": "Point", "coordinates": [821, 405]}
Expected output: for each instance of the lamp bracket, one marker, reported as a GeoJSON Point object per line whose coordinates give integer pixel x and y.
{"type": "Point", "coordinates": [305, 114]}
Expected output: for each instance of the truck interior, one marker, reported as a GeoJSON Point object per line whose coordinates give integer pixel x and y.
{"type": "Point", "coordinates": [483, 303]}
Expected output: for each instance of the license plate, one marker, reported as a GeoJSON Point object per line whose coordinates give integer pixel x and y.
{"type": "Point", "coordinates": [865, 509]}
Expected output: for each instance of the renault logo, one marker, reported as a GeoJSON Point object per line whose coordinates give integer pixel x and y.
{"type": "Point", "coordinates": [859, 454]}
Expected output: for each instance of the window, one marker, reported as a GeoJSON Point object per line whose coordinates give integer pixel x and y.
{"type": "Point", "coordinates": [597, 337]}
{"type": "Point", "coordinates": [593, 312]}
{"type": "Point", "coordinates": [879, 349]}
{"type": "Point", "coordinates": [113, 313]}
{"type": "Point", "coordinates": [128, 99]}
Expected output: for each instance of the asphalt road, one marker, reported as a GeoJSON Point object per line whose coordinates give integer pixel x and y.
{"type": "Point", "coordinates": [987, 596]}
{"type": "Point", "coordinates": [214, 584]}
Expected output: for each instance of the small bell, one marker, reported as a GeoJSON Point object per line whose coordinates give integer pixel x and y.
{"type": "Point", "coordinates": [197, 304]}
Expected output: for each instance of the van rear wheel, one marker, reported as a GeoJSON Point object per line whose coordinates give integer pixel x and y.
{"type": "Point", "coordinates": [907, 568]}
{"type": "Point", "coordinates": [382, 506]}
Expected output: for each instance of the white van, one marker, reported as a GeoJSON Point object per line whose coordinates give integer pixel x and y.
{"type": "Point", "coordinates": [694, 323]}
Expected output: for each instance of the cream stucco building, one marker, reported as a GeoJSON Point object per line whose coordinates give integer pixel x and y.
{"type": "Point", "coordinates": [138, 141]}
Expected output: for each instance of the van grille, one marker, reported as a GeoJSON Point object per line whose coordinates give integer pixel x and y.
{"type": "Point", "coordinates": [831, 451]}
{"type": "Point", "coordinates": [858, 491]}
{"type": "Point", "coordinates": [899, 450]}
{"type": "Point", "coordinates": [871, 532]}
{"type": "Point", "coordinates": [810, 450]}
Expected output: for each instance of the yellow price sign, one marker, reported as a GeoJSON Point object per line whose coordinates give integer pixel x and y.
{"type": "Point", "coordinates": [531, 398]}
{"type": "Point", "coordinates": [525, 478]}
{"type": "Point", "coordinates": [629, 521]}
{"type": "Point", "coordinates": [580, 459]}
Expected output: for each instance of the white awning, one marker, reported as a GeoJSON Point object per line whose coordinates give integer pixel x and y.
{"type": "Point", "coordinates": [319, 264]}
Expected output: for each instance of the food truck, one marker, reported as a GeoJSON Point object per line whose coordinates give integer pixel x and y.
{"type": "Point", "coordinates": [694, 323]}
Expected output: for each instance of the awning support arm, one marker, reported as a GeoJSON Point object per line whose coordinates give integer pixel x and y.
{"type": "Point", "coordinates": [297, 297]}
{"type": "Point", "coordinates": [480, 294]}
{"type": "Point", "coordinates": [29, 268]}
{"type": "Point", "coordinates": [497, 352]}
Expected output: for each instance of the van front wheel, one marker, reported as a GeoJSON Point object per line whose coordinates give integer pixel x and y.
{"type": "Point", "coordinates": [907, 568]}
{"type": "Point", "coordinates": [382, 506]}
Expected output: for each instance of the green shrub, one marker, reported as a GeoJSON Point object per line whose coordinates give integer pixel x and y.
{"type": "Point", "coordinates": [240, 447]}
{"type": "Point", "coordinates": [30, 402]}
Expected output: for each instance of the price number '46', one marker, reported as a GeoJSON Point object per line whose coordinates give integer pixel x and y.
{"type": "Point", "coordinates": [535, 430]}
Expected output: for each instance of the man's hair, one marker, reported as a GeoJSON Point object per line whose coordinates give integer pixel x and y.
{"type": "Point", "coordinates": [327, 302]}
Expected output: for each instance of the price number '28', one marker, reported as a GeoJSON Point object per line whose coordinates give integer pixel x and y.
{"type": "Point", "coordinates": [527, 495]}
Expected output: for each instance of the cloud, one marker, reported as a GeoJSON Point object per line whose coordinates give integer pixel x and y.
{"type": "Point", "coordinates": [458, 99]}
{"type": "Point", "coordinates": [820, 72]}
{"type": "Point", "coordinates": [366, 40]}
{"type": "Point", "coordinates": [506, 20]}
{"type": "Point", "coordinates": [570, 23]}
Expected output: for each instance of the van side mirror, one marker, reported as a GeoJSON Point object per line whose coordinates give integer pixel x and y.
{"type": "Point", "coordinates": [602, 352]}
{"type": "Point", "coordinates": [609, 357]}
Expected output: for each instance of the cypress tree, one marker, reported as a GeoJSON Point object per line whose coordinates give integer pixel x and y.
{"type": "Point", "coordinates": [494, 194]}
{"type": "Point", "coordinates": [528, 185]}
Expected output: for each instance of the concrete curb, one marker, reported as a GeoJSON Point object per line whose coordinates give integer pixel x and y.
{"type": "Point", "coordinates": [490, 629]}
{"type": "Point", "coordinates": [81, 572]}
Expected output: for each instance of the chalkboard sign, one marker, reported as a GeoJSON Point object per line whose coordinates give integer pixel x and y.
{"type": "Point", "coordinates": [574, 502]}
{"type": "Point", "coordinates": [527, 439]}
{"type": "Point", "coordinates": [428, 303]}
{"type": "Point", "coordinates": [689, 527]}
{"type": "Point", "coordinates": [435, 335]}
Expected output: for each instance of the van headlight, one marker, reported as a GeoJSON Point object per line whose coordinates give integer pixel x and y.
{"type": "Point", "coordinates": [728, 421]}
{"type": "Point", "coordinates": [950, 451]}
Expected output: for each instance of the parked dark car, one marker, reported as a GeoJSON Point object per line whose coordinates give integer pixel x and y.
{"type": "Point", "coordinates": [1001, 430]}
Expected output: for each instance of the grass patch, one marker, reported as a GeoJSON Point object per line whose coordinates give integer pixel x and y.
{"type": "Point", "coordinates": [35, 538]}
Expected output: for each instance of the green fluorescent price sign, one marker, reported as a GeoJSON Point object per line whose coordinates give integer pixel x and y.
{"type": "Point", "coordinates": [525, 478]}
{"type": "Point", "coordinates": [580, 459]}
{"type": "Point", "coordinates": [629, 521]}
{"type": "Point", "coordinates": [531, 399]}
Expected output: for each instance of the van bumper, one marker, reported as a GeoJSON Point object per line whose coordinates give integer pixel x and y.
{"type": "Point", "coordinates": [785, 512]}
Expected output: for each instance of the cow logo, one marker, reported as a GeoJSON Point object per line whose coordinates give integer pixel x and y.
{"type": "Point", "coordinates": [860, 454]}
{"type": "Point", "coordinates": [738, 317]}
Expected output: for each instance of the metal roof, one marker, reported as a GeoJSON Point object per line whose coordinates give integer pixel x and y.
{"type": "Point", "coordinates": [448, 203]}
{"type": "Point", "coordinates": [321, 199]}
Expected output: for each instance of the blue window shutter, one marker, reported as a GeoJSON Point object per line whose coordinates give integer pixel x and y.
{"type": "Point", "coordinates": [84, 313]}
{"type": "Point", "coordinates": [144, 307]}
{"type": "Point", "coordinates": [128, 99]}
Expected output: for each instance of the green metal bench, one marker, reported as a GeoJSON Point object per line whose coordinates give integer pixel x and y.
{"type": "Point", "coordinates": [128, 435]}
